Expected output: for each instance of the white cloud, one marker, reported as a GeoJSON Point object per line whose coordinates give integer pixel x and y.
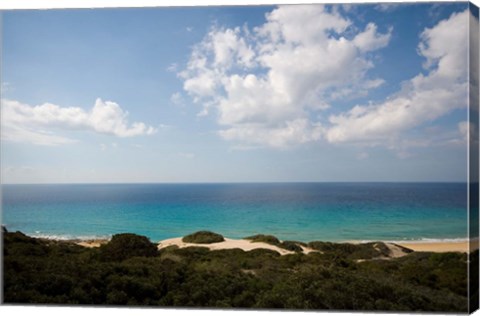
{"type": "Point", "coordinates": [22, 134]}
{"type": "Point", "coordinates": [177, 99]}
{"type": "Point", "coordinates": [468, 132]}
{"type": "Point", "coordinates": [423, 98]}
{"type": "Point", "coordinates": [264, 84]}
{"type": "Point", "coordinates": [107, 117]}
{"type": "Point", "coordinates": [464, 128]}
{"type": "Point", "coordinates": [302, 24]}
{"type": "Point", "coordinates": [388, 7]}
{"type": "Point", "coordinates": [370, 40]}
{"type": "Point", "coordinates": [229, 47]}
{"type": "Point", "coordinates": [273, 85]}
{"type": "Point", "coordinates": [35, 124]}
{"type": "Point", "coordinates": [173, 67]}
{"type": "Point", "coordinates": [474, 66]}
{"type": "Point", "coordinates": [291, 133]}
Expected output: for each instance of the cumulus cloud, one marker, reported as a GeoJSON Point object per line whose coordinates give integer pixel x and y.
{"type": "Point", "coordinates": [294, 132]}
{"type": "Point", "coordinates": [265, 84]}
{"type": "Point", "coordinates": [35, 124]}
{"type": "Point", "coordinates": [276, 84]}
{"type": "Point", "coordinates": [423, 98]}
{"type": "Point", "coordinates": [370, 40]}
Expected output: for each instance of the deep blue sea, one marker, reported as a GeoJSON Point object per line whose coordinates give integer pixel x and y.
{"type": "Point", "coordinates": [290, 211]}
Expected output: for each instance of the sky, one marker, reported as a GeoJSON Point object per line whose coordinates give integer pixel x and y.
{"type": "Point", "coordinates": [359, 92]}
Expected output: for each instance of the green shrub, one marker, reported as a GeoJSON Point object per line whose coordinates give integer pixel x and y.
{"type": "Point", "coordinates": [272, 240]}
{"type": "Point", "coordinates": [268, 239]}
{"type": "Point", "coordinates": [352, 251]}
{"type": "Point", "coordinates": [123, 246]}
{"type": "Point", "coordinates": [291, 245]}
{"type": "Point", "coordinates": [203, 237]}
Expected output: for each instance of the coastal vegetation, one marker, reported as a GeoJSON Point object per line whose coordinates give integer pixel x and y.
{"type": "Point", "coordinates": [129, 270]}
{"type": "Point", "coordinates": [124, 246]}
{"type": "Point", "coordinates": [203, 237]}
{"type": "Point", "coordinates": [272, 240]}
{"type": "Point", "coordinates": [355, 251]}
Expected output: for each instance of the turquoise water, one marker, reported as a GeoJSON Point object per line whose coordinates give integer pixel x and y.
{"type": "Point", "coordinates": [290, 211]}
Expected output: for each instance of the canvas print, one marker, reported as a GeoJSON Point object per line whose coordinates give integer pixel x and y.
{"type": "Point", "coordinates": [282, 157]}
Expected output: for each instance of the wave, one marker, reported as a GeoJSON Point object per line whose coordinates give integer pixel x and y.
{"type": "Point", "coordinates": [65, 237]}
{"type": "Point", "coordinates": [69, 237]}
{"type": "Point", "coordinates": [422, 240]}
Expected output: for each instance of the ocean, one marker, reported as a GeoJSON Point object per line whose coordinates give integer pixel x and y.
{"type": "Point", "coordinates": [290, 211]}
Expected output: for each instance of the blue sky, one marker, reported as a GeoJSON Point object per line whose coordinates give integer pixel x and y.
{"type": "Point", "coordinates": [235, 94]}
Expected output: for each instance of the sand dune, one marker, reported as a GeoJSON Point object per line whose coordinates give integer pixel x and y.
{"type": "Point", "coordinates": [248, 245]}
{"type": "Point", "coordinates": [243, 244]}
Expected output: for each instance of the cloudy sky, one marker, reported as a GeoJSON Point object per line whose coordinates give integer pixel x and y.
{"type": "Point", "coordinates": [236, 94]}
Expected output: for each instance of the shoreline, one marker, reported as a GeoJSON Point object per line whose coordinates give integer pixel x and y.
{"type": "Point", "coordinates": [430, 245]}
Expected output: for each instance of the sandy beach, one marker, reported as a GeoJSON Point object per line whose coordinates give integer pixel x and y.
{"type": "Point", "coordinates": [461, 246]}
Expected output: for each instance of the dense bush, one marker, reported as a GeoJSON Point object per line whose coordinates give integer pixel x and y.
{"type": "Point", "coordinates": [474, 295]}
{"type": "Point", "coordinates": [46, 272]}
{"type": "Point", "coordinates": [269, 239]}
{"type": "Point", "coordinates": [203, 237]}
{"type": "Point", "coordinates": [354, 251]}
{"type": "Point", "coordinates": [123, 246]}
{"type": "Point", "coordinates": [272, 240]}
{"type": "Point", "coordinates": [291, 245]}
